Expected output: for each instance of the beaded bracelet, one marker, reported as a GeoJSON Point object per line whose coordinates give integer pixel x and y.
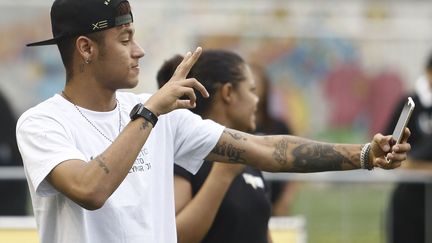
{"type": "Point", "coordinates": [364, 157]}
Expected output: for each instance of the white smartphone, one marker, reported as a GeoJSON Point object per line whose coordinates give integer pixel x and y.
{"type": "Point", "coordinates": [403, 120]}
{"type": "Point", "coordinates": [402, 123]}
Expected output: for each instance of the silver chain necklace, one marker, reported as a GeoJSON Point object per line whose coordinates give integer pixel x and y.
{"type": "Point", "coordinates": [91, 123]}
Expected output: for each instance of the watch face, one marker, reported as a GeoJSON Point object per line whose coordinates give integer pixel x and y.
{"type": "Point", "coordinates": [134, 111]}
{"type": "Point", "coordinates": [139, 110]}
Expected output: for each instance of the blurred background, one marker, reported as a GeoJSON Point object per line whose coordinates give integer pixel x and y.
{"type": "Point", "coordinates": [337, 67]}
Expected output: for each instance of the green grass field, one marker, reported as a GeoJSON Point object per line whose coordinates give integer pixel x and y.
{"type": "Point", "coordinates": [343, 212]}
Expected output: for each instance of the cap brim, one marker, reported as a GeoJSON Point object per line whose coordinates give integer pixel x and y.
{"type": "Point", "coordinates": [44, 43]}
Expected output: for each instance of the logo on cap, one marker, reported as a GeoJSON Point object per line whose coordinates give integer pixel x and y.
{"type": "Point", "coordinates": [107, 2]}
{"type": "Point", "coordinates": [100, 25]}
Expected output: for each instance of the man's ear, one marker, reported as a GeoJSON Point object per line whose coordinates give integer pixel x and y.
{"type": "Point", "coordinates": [85, 47]}
{"type": "Point", "coordinates": [226, 92]}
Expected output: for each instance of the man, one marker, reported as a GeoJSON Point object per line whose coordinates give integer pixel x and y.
{"type": "Point", "coordinates": [96, 175]}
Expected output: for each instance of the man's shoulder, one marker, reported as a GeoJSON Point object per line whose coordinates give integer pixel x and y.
{"type": "Point", "coordinates": [51, 107]}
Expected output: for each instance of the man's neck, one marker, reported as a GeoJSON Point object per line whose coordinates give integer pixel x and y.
{"type": "Point", "coordinates": [89, 96]}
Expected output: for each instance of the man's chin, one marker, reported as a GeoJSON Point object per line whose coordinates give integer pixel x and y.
{"type": "Point", "coordinates": [131, 84]}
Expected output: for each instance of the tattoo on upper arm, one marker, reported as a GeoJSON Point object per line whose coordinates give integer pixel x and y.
{"type": "Point", "coordinates": [228, 150]}
{"type": "Point", "coordinates": [312, 157]}
{"type": "Point", "coordinates": [101, 163]}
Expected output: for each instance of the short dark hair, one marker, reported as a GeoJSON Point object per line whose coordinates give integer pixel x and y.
{"type": "Point", "coordinates": [167, 70]}
{"type": "Point", "coordinates": [213, 68]}
{"type": "Point", "coordinates": [66, 46]}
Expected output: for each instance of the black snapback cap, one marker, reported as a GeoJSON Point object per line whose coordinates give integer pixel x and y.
{"type": "Point", "coordinates": [78, 17]}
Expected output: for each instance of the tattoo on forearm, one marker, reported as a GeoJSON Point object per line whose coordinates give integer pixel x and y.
{"type": "Point", "coordinates": [234, 154]}
{"type": "Point", "coordinates": [353, 157]}
{"type": "Point", "coordinates": [236, 136]}
{"type": "Point", "coordinates": [101, 163]}
{"type": "Point", "coordinates": [145, 124]}
{"type": "Point", "coordinates": [311, 157]}
{"type": "Point", "coordinates": [280, 153]}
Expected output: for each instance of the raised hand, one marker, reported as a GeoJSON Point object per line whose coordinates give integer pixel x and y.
{"type": "Point", "coordinates": [382, 151]}
{"type": "Point", "coordinates": [168, 97]}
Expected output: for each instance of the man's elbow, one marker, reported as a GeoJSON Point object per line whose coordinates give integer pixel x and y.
{"type": "Point", "coordinates": [91, 200]}
{"type": "Point", "coordinates": [92, 204]}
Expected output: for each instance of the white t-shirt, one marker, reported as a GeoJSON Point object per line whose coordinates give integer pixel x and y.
{"type": "Point", "coordinates": [142, 208]}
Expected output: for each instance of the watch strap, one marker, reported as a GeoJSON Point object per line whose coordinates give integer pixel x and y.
{"type": "Point", "coordinates": [145, 113]}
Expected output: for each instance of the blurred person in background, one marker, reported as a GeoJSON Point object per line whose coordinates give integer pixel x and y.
{"type": "Point", "coordinates": [221, 202]}
{"type": "Point", "coordinates": [13, 192]}
{"type": "Point", "coordinates": [99, 161]}
{"type": "Point", "coordinates": [281, 192]}
{"type": "Point", "coordinates": [407, 213]}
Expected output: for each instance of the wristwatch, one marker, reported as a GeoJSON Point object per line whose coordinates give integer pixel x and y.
{"type": "Point", "coordinates": [140, 111]}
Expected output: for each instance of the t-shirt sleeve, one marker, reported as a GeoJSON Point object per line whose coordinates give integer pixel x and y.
{"type": "Point", "coordinates": [194, 138]}
{"type": "Point", "coordinates": [180, 171]}
{"type": "Point", "coordinates": [43, 143]}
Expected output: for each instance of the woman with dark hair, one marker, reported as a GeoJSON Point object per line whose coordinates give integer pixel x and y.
{"type": "Point", "coordinates": [222, 202]}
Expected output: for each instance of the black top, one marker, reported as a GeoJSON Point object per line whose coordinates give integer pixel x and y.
{"type": "Point", "coordinates": [244, 213]}
{"type": "Point", "coordinates": [13, 192]}
{"type": "Point", "coordinates": [407, 209]}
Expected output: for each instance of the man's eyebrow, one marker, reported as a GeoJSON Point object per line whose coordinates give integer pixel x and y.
{"type": "Point", "coordinates": [129, 31]}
